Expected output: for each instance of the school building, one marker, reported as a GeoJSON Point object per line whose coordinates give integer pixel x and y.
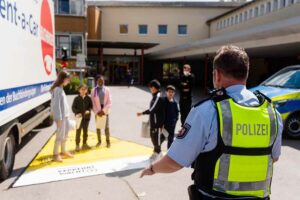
{"type": "Point", "coordinates": [154, 39]}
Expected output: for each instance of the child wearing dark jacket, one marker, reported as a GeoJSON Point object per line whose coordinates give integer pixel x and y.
{"type": "Point", "coordinates": [81, 107]}
{"type": "Point", "coordinates": [171, 116]}
{"type": "Point", "coordinates": [157, 118]}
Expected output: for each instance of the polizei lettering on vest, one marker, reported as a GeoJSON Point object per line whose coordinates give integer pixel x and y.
{"type": "Point", "coordinates": [252, 129]}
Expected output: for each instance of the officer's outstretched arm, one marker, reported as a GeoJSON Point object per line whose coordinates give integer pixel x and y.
{"type": "Point", "coordinates": [164, 165]}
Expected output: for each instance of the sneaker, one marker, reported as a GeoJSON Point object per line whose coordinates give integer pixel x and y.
{"type": "Point", "coordinates": [77, 148]}
{"type": "Point", "coordinates": [98, 144]}
{"type": "Point", "coordinates": [67, 155]}
{"type": "Point", "coordinates": [57, 158]}
{"type": "Point", "coordinates": [85, 147]}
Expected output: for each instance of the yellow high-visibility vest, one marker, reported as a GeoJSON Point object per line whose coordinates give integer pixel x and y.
{"type": "Point", "coordinates": [246, 166]}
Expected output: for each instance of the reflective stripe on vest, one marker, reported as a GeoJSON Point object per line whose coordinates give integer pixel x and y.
{"type": "Point", "coordinates": [247, 128]}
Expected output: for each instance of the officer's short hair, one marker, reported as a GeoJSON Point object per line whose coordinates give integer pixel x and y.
{"type": "Point", "coordinates": [170, 87]}
{"type": "Point", "coordinates": [154, 83]}
{"type": "Point", "coordinates": [232, 61]}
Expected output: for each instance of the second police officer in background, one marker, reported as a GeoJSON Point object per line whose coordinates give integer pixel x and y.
{"type": "Point", "coordinates": [185, 89]}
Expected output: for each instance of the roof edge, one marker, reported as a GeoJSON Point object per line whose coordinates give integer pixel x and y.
{"type": "Point", "coordinates": [231, 11]}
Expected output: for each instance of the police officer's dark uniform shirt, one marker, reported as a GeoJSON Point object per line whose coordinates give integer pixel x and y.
{"type": "Point", "coordinates": [186, 85]}
{"type": "Point", "coordinates": [200, 132]}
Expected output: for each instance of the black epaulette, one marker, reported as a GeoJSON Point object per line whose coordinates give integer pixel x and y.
{"type": "Point", "coordinates": [216, 95]}
{"type": "Point", "coordinates": [261, 96]}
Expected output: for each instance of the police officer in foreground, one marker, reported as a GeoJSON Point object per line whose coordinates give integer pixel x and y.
{"type": "Point", "coordinates": [185, 89]}
{"type": "Point", "coordinates": [231, 139]}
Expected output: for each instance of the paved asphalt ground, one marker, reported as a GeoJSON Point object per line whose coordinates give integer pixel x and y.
{"type": "Point", "coordinates": [127, 185]}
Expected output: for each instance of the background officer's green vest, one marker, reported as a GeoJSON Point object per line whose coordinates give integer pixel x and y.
{"type": "Point", "coordinates": [243, 165]}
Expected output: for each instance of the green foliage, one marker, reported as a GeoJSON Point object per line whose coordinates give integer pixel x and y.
{"type": "Point", "coordinates": [72, 88]}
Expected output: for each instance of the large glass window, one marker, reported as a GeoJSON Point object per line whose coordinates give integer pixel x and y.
{"type": "Point", "coordinates": [282, 3]}
{"type": "Point", "coordinates": [70, 7]}
{"type": "Point", "coordinates": [268, 7]}
{"type": "Point", "coordinates": [171, 71]}
{"type": "Point", "coordinates": [143, 29]}
{"type": "Point", "coordinates": [245, 16]}
{"type": "Point", "coordinates": [262, 9]}
{"type": "Point", "coordinates": [73, 44]}
{"type": "Point", "coordinates": [162, 29]}
{"type": "Point", "coordinates": [241, 18]}
{"type": "Point", "coordinates": [236, 18]}
{"type": "Point", "coordinates": [256, 11]}
{"type": "Point", "coordinates": [182, 30]}
{"type": "Point", "coordinates": [251, 13]}
{"type": "Point", "coordinates": [275, 5]}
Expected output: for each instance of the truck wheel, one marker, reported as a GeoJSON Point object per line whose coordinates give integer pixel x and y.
{"type": "Point", "coordinates": [7, 163]}
{"type": "Point", "coordinates": [292, 126]}
{"type": "Point", "coordinates": [47, 122]}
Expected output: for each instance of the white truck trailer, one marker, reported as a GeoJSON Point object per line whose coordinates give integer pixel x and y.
{"type": "Point", "coordinates": [27, 62]}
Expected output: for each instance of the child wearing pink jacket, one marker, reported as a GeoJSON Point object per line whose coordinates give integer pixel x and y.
{"type": "Point", "coordinates": [101, 99]}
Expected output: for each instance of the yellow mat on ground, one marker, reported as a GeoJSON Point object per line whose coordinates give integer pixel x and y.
{"type": "Point", "coordinates": [122, 155]}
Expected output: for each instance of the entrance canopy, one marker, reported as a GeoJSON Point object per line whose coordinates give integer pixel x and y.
{"type": "Point", "coordinates": [119, 45]}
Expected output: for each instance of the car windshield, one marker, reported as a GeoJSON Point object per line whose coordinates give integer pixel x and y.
{"type": "Point", "coordinates": [287, 79]}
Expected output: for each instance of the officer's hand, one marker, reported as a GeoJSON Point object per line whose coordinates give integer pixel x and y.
{"type": "Point", "coordinates": [146, 172]}
{"type": "Point", "coordinates": [139, 114]}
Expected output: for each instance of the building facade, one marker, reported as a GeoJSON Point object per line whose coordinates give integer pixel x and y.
{"type": "Point", "coordinates": [160, 25]}
{"type": "Point", "coordinates": [71, 29]}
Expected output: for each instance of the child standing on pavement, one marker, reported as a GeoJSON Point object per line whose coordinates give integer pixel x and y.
{"type": "Point", "coordinates": [172, 111]}
{"type": "Point", "coordinates": [82, 106]}
{"type": "Point", "coordinates": [157, 117]}
{"type": "Point", "coordinates": [61, 113]}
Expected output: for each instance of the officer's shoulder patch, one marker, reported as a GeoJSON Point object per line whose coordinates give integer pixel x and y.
{"type": "Point", "coordinates": [184, 131]}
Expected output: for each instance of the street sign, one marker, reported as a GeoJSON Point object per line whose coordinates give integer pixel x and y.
{"type": "Point", "coordinates": [80, 60]}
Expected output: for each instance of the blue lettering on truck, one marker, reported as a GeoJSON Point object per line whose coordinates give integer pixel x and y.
{"type": "Point", "coordinates": [9, 11]}
{"type": "Point", "coordinates": [14, 96]}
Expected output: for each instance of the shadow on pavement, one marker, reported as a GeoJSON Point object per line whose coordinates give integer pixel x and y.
{"type": "Point", "coordinates": [123, 174]}
{"type": "Point", "coordinates": [291, 143]}
{"type": "Point", "coordinates": [27, 139]}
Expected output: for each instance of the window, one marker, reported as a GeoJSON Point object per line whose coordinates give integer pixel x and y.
{"type": "Point", "coordinates": [70, 7]}
{"type": "Point", "coordinates": [290, 2]}
{"type": "Point", "coordinates": [76, 45]}
{"type": "Point", "coordinates": [268, 7]}
{"type": "Point", "coordinates": [236, 19]}
{"type": "Point", "coordinates": [62, 41]}
{"type": "Point", "coordinates": [228, 22]}
{"type": "Point", "coordinates": [182, 30]}
{"type": "Point", "coordinates": [73, 43]}
{"type": "Point", "coordinates": [282, 3]}
{"type": "Point", "coordinates": [232, 20]}
{"type": "Point", "coordinates": [256, 12]}
{"type": "Point", "coordinates": [143, 29]}
{"type": "Point", "coordinates": [162, 29]}
{"type": "Point", "coordinates": [171, 72]}
{"type": "Point", "coordinates": [123, 29]}
{"type": "Point", "coordinates": [241, 17]}
{"type": "Point", "coordinates": [262, 9]}
{"type": "Point", "coordinates": [275, 5]}
{"type": "Point", "coordinates": [245, 16]}
{"type": "Point", "coordinates": [250, 13]}
{"type": "Point", "coordinates": [218, 26]}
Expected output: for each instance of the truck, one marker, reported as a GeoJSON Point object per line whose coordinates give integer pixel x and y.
{"type": "Point", "coordinates": [27, 61]}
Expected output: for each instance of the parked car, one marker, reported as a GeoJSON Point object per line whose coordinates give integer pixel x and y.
{"type": "Point", "coordinates": [284, 89]}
